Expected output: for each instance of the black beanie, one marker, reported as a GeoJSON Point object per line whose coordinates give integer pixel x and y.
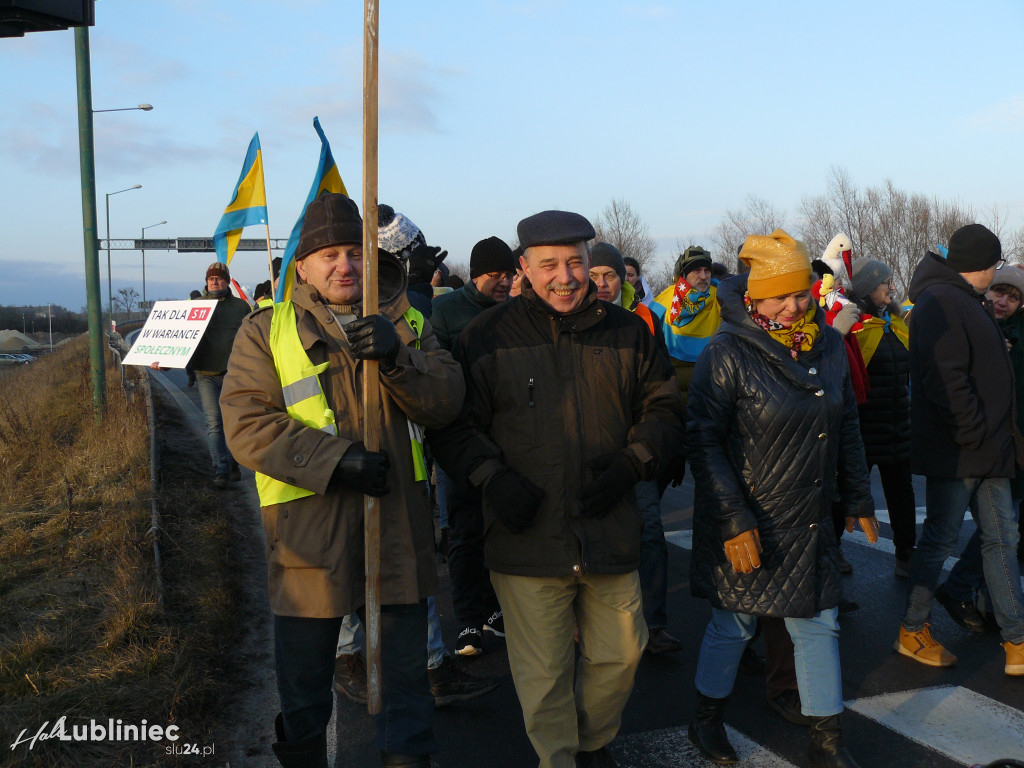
{"type": "Point", "coordinates": [491, 254]}
{"type": "Point", "coordinates": [331, 219]}
{"type": "Point", "coordinates": [607, 255]}
{"type": "Point", "coordinates": [973, 248]}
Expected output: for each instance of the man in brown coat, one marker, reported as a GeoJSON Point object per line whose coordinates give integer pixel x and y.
{"type": "Point", "coordinates": [292, 404]}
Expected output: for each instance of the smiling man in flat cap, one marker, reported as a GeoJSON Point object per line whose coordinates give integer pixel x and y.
{"type": "Point", "coordinates": [562, 529]}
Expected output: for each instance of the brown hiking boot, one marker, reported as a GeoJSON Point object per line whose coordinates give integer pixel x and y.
{"type": "Point", "coordinates": [922, 647]}
{"type": "Point", "coordinates": [350, 677]}
{"type": "Point", "coordinates": [1014, 658]}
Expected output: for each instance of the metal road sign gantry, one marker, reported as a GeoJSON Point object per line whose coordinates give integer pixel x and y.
{"type": "Point", "coordinates": [188, 244]}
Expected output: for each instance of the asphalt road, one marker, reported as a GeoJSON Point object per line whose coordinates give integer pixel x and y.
{"type": "Point", "coordinates": [900, 714]}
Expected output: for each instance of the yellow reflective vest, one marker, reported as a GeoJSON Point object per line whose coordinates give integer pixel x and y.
{"type": "Point", "coordinates": [304, 397]}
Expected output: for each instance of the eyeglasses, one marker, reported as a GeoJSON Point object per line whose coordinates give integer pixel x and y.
{"type": "Point", "coordinates": [501, 275]}
{"type": "Point", "coordinates": [1000, 263]}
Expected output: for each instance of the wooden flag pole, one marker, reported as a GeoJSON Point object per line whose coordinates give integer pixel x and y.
{"type": "Point", "coordinates": [371, 382]}
{"type": "Point", "coordinates": [270, 258]}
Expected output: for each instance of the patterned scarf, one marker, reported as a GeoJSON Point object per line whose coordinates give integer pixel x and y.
{"type": "Point", "coordinates": [687, 302]}
{"type": "Point", "coordinates": [799, 337]}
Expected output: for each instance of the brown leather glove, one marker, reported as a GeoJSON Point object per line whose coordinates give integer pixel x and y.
{"type": "Point", "coordinates": [867, 524]}
{"type": "Point", "coordinates": [744, 551]}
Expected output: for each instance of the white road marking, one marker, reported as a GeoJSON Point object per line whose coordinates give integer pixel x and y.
{"type": "Point", "coordinates": [670, 748]}
{"type": "Point", "coordinates": [682, 539]}
{"type": "Point", "coordinates": [959, 723]}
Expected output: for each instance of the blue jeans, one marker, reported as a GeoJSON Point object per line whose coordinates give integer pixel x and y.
{"type": "Point", "coordinates": [653, 566]}
{"type": "Point", "coordinates": [209, 393]}
{"type": "Point", "coordinates": [947, 500]}
{"type": "Point", "coordinates": [966, 581]}
{"type": "Point", "coordinates": [351, 639]}
{"type": "Point", "coordinates": [304, 653]}
{"type": "Point", "coordinates": [816, 651]}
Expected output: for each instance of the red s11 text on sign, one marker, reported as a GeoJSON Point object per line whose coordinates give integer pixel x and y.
{"type": "Point", "coordinates": [199, 313]}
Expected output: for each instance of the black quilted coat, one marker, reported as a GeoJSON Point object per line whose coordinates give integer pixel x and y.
{"type": "Point", "coordinates": [769, 438]}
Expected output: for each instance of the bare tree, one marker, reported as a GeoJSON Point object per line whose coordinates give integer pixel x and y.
{"type": "Point", "coordinates": [883, 223]}
{"type": "Point", "coordinates": [756, 217]}
{"type": "Point", "coordinates": [459, 268]}
{"type": "Point", "coordinates": [621, 226]}
{"type": "Point", "coordinates": [125, 300]}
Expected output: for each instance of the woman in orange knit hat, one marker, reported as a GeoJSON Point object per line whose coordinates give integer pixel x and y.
{"type": "Point", "coordinates": [772, 429]}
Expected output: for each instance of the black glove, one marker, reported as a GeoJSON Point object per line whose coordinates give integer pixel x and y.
{"type": "Point", "coordinates": [514, 499]}
{"type": "Point", "coordinates": [365, 471]}
{"type": "Point", "coordinates": [621, 473]}
{"type": "Point", "coordinates": [675, 471]}
{"type": "Point", "coordinates": [374, 338]}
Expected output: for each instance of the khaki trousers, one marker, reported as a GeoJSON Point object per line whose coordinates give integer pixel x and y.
{"type": "Point", "coordinates": [539, 613]}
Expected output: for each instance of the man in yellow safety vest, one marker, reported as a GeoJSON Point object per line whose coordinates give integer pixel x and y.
{"type": "Point", "coordinates": [292, 404]}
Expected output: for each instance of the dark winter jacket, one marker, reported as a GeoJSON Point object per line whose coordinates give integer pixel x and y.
{"type": "Point", "coordinates": [769, 439]}
{"type": "Point", "coordinates": [453, 311]}
{"type": "Point", "coordinates": [211, 356]}
{"type": "Point", "coordinates": [885, 417]}
{"type": "Point", "coordinates": [961, 407]}
{"type": "Point", "coordinates": [546, 393]}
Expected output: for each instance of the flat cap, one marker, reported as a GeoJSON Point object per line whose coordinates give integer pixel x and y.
{"type": "Point", "coordinates": [553, 228]}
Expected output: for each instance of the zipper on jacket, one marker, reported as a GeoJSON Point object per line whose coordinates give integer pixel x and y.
{"type": "Point", "coordinates": [529, 392]}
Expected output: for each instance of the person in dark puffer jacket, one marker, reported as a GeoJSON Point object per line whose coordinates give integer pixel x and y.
{"type": "Point", "coordinates": [884, 343]}
{"type": "Point", "coordinates": [772, 430]}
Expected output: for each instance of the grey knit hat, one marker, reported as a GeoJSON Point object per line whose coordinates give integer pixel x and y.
{"type": "Point", "coordinates": [607, 255]}
{"type": "Point", "coordinates": [1010, 274]}
{"type": "Point", "coordinates": [868, 274]}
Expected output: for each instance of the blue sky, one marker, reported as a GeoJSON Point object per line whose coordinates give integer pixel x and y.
{"type": "Point", "coordinates": [491, 111]}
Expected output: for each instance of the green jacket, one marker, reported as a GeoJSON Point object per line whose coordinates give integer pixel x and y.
{"type": "Point", "coordinates": [452, 312]}
{"type": "Point", "coordinates": [211, 356]}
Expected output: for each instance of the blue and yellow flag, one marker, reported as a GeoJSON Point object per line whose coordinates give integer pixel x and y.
{"type": "Point", "coordinates": [248, 204]}
{"type": "Point", "coordinates": [327, 178]}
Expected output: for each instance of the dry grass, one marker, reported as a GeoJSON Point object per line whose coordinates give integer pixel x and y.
{"type": "Point", "coordinates": [82, 633]}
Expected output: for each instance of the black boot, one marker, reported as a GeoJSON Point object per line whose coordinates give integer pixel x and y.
{"type": "Point", "coordinates": [308, 753]}
{"type": "Point", "coordinates": [391, 759]}
{"type": "Point", "coordinates": [825, 748]}
{"type": "Point", "coordinates": [707, 731]}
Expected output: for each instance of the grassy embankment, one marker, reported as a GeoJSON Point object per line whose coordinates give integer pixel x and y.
{"type": "Point", "coordinates": [82, 632]}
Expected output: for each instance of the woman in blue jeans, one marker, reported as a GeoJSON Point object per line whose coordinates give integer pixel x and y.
{"type": "Point", "coordinates": [772, 429]}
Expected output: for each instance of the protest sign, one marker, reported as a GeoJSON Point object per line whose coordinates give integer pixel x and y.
{"type": "Point", "coordinates": [171, 334]}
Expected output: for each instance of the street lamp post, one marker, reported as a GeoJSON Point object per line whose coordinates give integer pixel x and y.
{"type": "Point", "coordinates": [110, 294]}
{"type": "Point", "coordinates": [143, 249]}
{"type": "Point", "coordinates": [143, 107]}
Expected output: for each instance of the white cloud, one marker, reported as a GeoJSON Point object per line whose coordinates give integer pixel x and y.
{"type": "Point", "coordinates": [1005, 117]}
